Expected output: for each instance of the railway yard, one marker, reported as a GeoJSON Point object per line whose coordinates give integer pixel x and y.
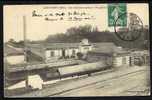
{"type": "Point", "coordinates": [107, 70]}
{"type": "Point", "coordinates": [118, 81]}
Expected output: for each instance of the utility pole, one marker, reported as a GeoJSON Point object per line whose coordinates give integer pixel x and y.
{"type": "Point", "coordinates": [25, 48]}
{"type": "Point", "coordinates": [24, 32]}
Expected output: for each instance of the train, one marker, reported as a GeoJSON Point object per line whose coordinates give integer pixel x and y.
{"type": "Point", "coordinates": [75, 70]}
{"type": "Point", "coordinates": [53, 73]}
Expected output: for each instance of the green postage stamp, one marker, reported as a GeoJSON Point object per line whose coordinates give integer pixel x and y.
{"type": "Point", "coordinates": [117, 13]}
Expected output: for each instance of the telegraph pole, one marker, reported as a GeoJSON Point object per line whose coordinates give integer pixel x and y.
{"type": "Point", "coordinates": [25, 48]}
{"type": "Point", "coordinates": [24, 32]}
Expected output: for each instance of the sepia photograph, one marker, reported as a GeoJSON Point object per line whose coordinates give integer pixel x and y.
{"type": "Point", "coordinates": [76, 50]}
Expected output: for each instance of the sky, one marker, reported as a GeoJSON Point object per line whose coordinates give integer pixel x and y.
{"type": "Point", "coordinates": [37, 28]}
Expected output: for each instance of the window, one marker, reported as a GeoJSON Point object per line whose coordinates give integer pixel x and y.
{"type": "Point", "coordinates": [52, 54]}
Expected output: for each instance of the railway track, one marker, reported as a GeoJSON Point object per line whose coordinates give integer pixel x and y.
{"type": "Point", "coordinates": [76, 84]}
{"type": "Point", "coordinates": [86, 85]}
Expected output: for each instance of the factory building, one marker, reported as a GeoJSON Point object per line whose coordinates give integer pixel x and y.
{"type": "Point", "coordinates": [49, 52]}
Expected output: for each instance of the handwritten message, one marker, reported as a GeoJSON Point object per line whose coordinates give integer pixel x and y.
{"type": "Point", "coordinates": [67, 16]}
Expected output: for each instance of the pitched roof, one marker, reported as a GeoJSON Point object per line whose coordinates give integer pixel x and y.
{"type": "Point", "coordinates": [61, 45]}
{"type": "Point", "coordinates": [107, 47]}
{"type": "Point", "coordinates": [10, 50]}
{"type": "Point", "coordinates": [103, 47]}
{"type": "Point", "coordinates": [55, 45]}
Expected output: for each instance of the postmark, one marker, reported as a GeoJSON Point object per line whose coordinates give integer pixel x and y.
{"type": "Point", "coordinates": [132, 31]}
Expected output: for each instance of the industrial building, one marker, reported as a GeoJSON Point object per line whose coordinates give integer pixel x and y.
{"type": "Point", "coordinates": [49, 52]}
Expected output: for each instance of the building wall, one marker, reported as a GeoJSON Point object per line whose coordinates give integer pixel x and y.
{"type": "Point", "coordinates": [127, 60]}
{"type": "Point", "coordinates": [16, 59]}
{"type": "Point", "coordinates": [77, 50]}
{"type": "Point", "coordinates": [56, 54]}
{"type": "Point", "coordinates": [59, 53]}
{"type": "Point", "coordinates": [140, 60]}
{"type": "Point", "coordinates": [93, 57]}
{"type": "Point", "coordinates": [117, 61]}
{"type": "Point", "coordinates": [69, 52]}
{"type": "Point", "coordinates": [121, 60]}
{"type": "Point", "coordinates": [52, 55]}
{"type": "Point", "coordinates": [85, 49]}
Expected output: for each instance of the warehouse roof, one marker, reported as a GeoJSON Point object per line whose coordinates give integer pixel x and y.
{"type": "Point", "coordinates": [100, 47]}
{"type": "Point", "coordinates": [62, 45]}
{"type": "Point", "coordinates": [43, 45]}
{"type": "Point", "coordinates": [10, 50]}
{"type": "Point", "coordinates": [107, 47]}
{"type": "Point", "coordinates": [54, 45]}
{"type": "Point", "coordinates": [70, 45]}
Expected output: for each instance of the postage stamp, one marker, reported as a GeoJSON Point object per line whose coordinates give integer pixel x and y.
{"type": "Point", "coordinates": [114, 11]}
{"type": "Point", "coordinates": [127, 26]}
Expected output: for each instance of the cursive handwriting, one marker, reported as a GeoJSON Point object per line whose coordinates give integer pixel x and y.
{"type": "Point", "coordinates": [68, 16]}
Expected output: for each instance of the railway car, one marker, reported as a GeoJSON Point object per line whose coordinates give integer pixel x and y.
{"type": "Point", "coordinates": [63, 72]}
{"type": "Point", "coordinates": [82, 69]}
{"type": "Point", "coordinates": [76, 70]}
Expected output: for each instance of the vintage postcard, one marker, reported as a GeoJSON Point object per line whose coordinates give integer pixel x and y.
{"type": "Point", "coordinates": [73, 50]}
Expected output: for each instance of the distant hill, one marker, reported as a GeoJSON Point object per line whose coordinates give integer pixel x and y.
{"type": "Point", "coordinates": [76, 34]}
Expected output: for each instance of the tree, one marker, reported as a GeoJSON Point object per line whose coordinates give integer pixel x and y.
{"type": "Point", "coordinates": [76, 34]}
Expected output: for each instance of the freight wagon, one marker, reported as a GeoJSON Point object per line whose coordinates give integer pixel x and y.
{"type": "Point", "coordinates": [76, 70]}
